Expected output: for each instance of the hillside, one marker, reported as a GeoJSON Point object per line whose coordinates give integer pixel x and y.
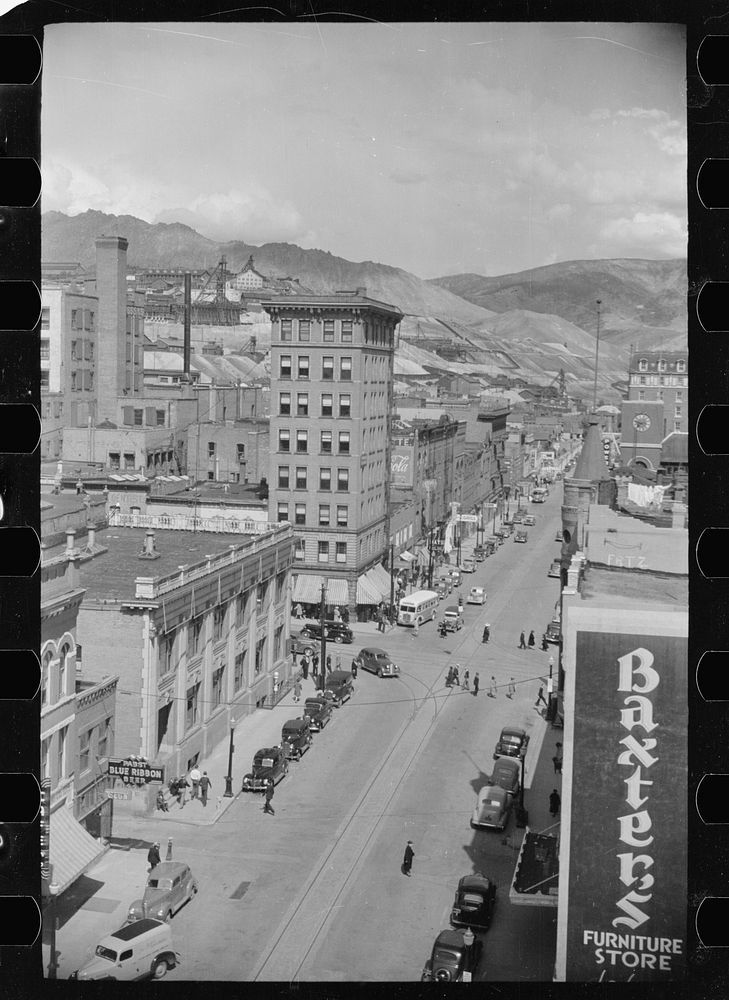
{"type": "Point", "coordinates": [71, 238]}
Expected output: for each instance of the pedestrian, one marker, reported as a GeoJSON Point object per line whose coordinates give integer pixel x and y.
{"type": "Point", "coordinates": [464, 683]}
{"type": "Point", "coordinates": [475, 685]}
{"type": "Point", "coordinates": [486, 634]}
{"type": "Point", "coordinates": [315, 665]}
{"type": "Point", "coordinates": [540, 698]}
{"type": "Point", "coordinates": [551, 665]}
{"type": "Point", "coordinates": [522, 643]}
{"type": "Point", "coordinates": [153, 858]}
{"type": "Point", "coordinates": [531, 639]}
{"type": "Point", "coordinates": [545, 645]}
{"type": "Point", "coordinates": [194, 782]}
{"type": "Point", "coordinates": [205, 786]}
{"type": "Point", "coordinates": [407, 861]}
{"type": "Point", "coordinates": [305, 667]}
{"type": "Point", "coordinates": [512, 688]}
{"type": "Point", "coordinates": [299, 612]}
{"type": "Point", "coordinates": [460, 604]}
{"type": "Point", "coordinates": [182, 785]}
{"type": "Point", "coordinates": [329, 664]}
{"type": "Point", "coordinates": [554, 802]}
{"type": "Point", "coordinates": [557, 761]}
{"type": "Point", "coordinates": [345, 615]}
{"type": "Point", "coordinates": [414, 634]}
{"type": "Point", "coordinates": [161, 803]}
{"type": "Point", "coordinates": [297, 690]}
{"type": "Point", "coordinates": [355, 666]}
{"type": "Point", "coordinates": [267, 807]}
{"type": "Point", "coordinates": [337, 614]}
{"type": "Point", "coordinates": [492, 687]}
{"type": "Point", "coordinates": [455, 679]}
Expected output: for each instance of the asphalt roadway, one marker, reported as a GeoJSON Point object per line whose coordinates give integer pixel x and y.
{"type": "Point", "coordinates": [315, 892]}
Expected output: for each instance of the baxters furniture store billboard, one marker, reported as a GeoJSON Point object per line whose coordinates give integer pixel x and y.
{"type": "Point", "coordinates": [622, 902]}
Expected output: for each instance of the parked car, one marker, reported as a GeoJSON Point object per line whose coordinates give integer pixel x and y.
{"type": "Point", "coordinates": [555, 569]}
{"type": "Point", "coordinates": [468, 565]}
{"type": "Point", "coordinates": [270, 762]}
{"type": "Point", "coordinates": [493, 808]}
{"type": "Point", "coordinates": [339, 687]}
{"type": "Point", "coordinates": [295, 738]}
{"type": "Point", "coordinates": [496, 540]}
{"type": "Point", "coordinates": [302, 644]}
{"type": "Point", "coordinates": [474, 903]}
{"type": "Point", "coordinates": [333, 632]}
{"type": "Point", "coordinates": [513, 742]}
{"type": "Point", "coordinates": [451, 957]}
{"type": "Point", "coordinates": [521, 536]}
{"type": "Point", "coordinates": [553, 632]}
{"type": "Point", "coordinates": [506, 774]}
{"type": "Point", "coordinates": [143, 949]}
{"type": "Point", "coordinates": [318, 711]}
{"type": "Point", "coordinates": [455, 577]}
{"type": "Point", "coordinates": [530, 520]}
{"type": "Point", "coordinates": [479, 553]}
{"type": "Point", "coordinates": [377, 661]}
{"type": "Point", "coordinates": [169, 886]}
{"type": "Point", "coordinates": [444, 588]}
{"type": "Point", "coordinates": [452, 619]}
{"type": "Point", "coordinates": [476, 595]}
{"type": "Point", "coordinates": [518, 517]}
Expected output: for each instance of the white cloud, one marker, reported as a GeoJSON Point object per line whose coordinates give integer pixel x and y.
{"type": "Point", "coordinates": [559, 212]}
{"type": "Point", "coordinates": [647, 234]}
{"type": "Point", "coordinates": [253, 215]}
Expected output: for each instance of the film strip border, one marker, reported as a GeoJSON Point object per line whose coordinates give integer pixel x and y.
{"type": "Point", "coordinates": [708, 122]}
{"type": "Point", "coordinates": [24, 809]}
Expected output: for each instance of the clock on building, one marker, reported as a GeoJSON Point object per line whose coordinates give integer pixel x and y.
{"type": "Point", "coordinates": [641, 421]}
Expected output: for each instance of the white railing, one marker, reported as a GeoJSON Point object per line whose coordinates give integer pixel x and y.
{"type": "Point", "coordinates": [190, 522]}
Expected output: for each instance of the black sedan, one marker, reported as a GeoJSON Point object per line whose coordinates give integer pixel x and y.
{"type": "Point", "coordinates": [333, 631]}
{"type": "Point", "coordinates": [474, 903]}
{"type": "Point", "coordinates": [451, 957]}
{"type": "Point", "coordinates": [513, 742]}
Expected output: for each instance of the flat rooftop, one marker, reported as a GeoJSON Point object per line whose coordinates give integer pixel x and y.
{"type": "Point", "coordinates": [618, 540]}
{"type": "Point", "coordinates": [617, 585]}
{"type": "Point", "coordinates": [111, 576]}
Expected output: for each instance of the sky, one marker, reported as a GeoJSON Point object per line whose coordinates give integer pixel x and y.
{"type": "Point", "coordinates": [438, 148]}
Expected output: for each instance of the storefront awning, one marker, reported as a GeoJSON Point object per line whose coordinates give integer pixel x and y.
{"type": "Point", "coordinates": [308, 589]}
{"type": "Point", "coordinates": [366, 592]}
{"type": "Point", "coordinates": [73, 850]}
{"type": "Point", "coordinates": [406, 556]}
{"type": "Point", "coordinates": [379, 576]}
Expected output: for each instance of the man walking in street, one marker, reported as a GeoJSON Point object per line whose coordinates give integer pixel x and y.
{"type": "Point", "coordinates": [540, 698]}
{"type": "Point", "coordinates": [315, 665]}
{"type": "Point", "coordinates": [153, 858]}
{"type": "Point", "coordinates": [512, 688]}
{"type": "Point", "coordinates": [268, 808]}
{"type": "Point", "coordinates": [454, 676]}
{"type": "Point", "coordinates": [305, 667]}
{"type": "Point", "coordinates": [554, 802]}
{"type": "Point", "coordinates": [475, 685]}
{"type": "Point", "coordinates": [557, 761]}
{"type": "Point", "coordinates": [531, 639]}
{"type": "Point", "coordinates": [194, 782]}
{"type": "Point", "coordinates": [492, 687]}
{"type": "Point", "coordinates": [522, 643]}
{"type": "Point", "coordinates": [407, 861]}
{"type": "Point", "coordinates": [205, 785]}
{"type": "Point", "coordinates": [464, 683]}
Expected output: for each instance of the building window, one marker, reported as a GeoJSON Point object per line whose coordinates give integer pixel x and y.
{"type": "Point", "coordinates": [160, 417]}
{"type": "Point", "coordinates": [284, 404]}
{"type": "Point", "coordinates": [128, 459]}
{"type": "Point", "coordinates": [282, 512]}
{"type": "Point", "coordinates": [659, 395]}
{"type": "Point", "coordinates": [61, 751]}
{"type": "Point", "coordinates": [327, 404]}
{"type": "Point", "coordinates": [63, 673]}
{"type": "Point", "coordinates": [342, 480]}
{"type": "Point", "coordinates": [194, 636]}
{"type": "Point", "coordinates": [680, 366]}
{"type": "Point", "coordinates": [211, 449]}
{"type": "Point", "coordinates": [192, 706]}
{"type": "Point", "coordinates": [165, 653]}
{"type": "Point", "coordinates": [45, 350]}
{"type": "Point", "coordinates": [679, 396]}
{"type": "Point", "coordinates": [642, 380]}
{"type": "Point", "coordinates": [301, 477]}
{"type": "Point", "coordinates": [303, 366]}
{"type": "Point", "coordinates": [45, 678]}
{"type": "Point", "coordinates": [302, 442]}
{"type": "Point", "coordinates": [344, 442]}
{"type": "Point", "coordinates": [286, 325]}
{"type": "Point", "coordinates": [323, 515]}
{"type": "Point", "coordinates": [346, 331]}
{"type": "Point", "coordinates": [285, 366]}
{"type": "Point", "coordinates": [138, 418]}
{"type": "Point", "coordinates": [239, 670]}
{"type": "Point", "coordinates": [678, 412]}
{"type": "Point", "coordinates": [326, 442]}
{"type": "Point", "coordinates": [342, 515]}
{"type": "Point", "coordinates": [300, 513]}
{"type": "Point", "coordinates": [677, 425]}
{"type": "Point", "coordinates": [84, 750]}
{"type": "Point", "coordinates": [114, 460]}
{"type": "Point", "coordinates": [323, 552]}
{"type": "Point", "coordinates": [240, 450]}
{"type": "Point", "coordinates": [299, 549]}
{"type": "Point", "coordinates": [46, 758]}
{"type": "Point", "coordinates": [328, 331]}
{"type": "Point", "coordinates": [325, 480]}
{"type": "Point", "coordinates": [241, 607]}
{"type": "Point", "coordinates": [642, 365]}
{"type": "Point", "coordinates": [45, 380]}
{"type": "Point", "coordinates": [218, 622]}
{"type": "Point", "coordinates": [74, 380]}
{"type": "Point", "coordinates": [283, 477]}
{"type": "Point", "coordinates": [345, 369]}
{"type": "Point", "coordinates": [105, 732]}
{"type": "Point", "coordinates": [277, 644]}
{"type": "Point", "coordinates": [661, 365]}
{"type": "Point", "coordinates": [74, 350]}
{"type": "Point", "coordinates": [304, 330]}
{"type": "Point", "coordinates": [284, 440]}
{"type": "Point", "coordinates": [641, 394]}
{"type": "Point", "coordinates": [327, 368]}
{"type": "Point", "coordinates": [341, 552]}
{"type": "Point", "coordinates": [345, 404]}
{"type": "Point", "coordinates": [218, 686]}
{"type": "Point", "coordinates": [260, 657]}
{"type": "Point", "coordinates": [45, 319]}
{"type": "Point", "coordinates": [302, 404]}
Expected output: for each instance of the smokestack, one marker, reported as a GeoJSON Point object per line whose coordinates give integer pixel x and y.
{"type": "Point", "coordinates": [149, 549]}
{"type": "Point", "coordinates": [91, 541]}
{"type": "Point", "coordinates": [70, 540]}
{"type": "Point", "coordinates": [187, 313]}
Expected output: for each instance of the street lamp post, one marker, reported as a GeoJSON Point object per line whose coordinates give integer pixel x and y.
{"type": "Point", "coordinates": [468, 939]}
{"type": "Point", "coordinates": [228, 793]}
{"type": "Point", "coordinates": [53, 962]}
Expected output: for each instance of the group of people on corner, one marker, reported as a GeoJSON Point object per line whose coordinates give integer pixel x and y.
{"type": "Point", "coordinates": [199, 785]}
{"type": "Point", "coordinates": [313, 611]}
{"type": "Point", "coordinates": [454, 679]}
{"type": "Point", "coordinates": [308, 663]}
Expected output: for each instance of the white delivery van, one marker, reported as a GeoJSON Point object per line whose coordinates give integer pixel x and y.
{"type": "Point", "coordinates": [140, 950]}
{"type": "Point", "coordinates": [422, 606]}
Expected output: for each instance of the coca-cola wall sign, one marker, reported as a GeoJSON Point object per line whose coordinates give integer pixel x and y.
{"type": "Point", "coordinates": [402, 462]}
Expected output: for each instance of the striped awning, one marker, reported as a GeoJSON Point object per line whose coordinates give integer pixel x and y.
{"type": "Point", "coordinates": [307, 588]}
{"type": "Point", "coordinates": [366, 592]}
{"type": "Point", "coordinates": [406, 556]}
{"type": "Point", "coordinates": [73, 850]}
{"type": "Point", "coordinates": [373, 586]}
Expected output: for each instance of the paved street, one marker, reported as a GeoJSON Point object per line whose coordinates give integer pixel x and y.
{"type": "Point", "coordinates": [315, 892]}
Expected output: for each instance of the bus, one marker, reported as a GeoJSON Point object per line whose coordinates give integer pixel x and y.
{"type": "Point", "coordinates": [539, 494]}
{"type": "Point", "coordinates": [417, 608]}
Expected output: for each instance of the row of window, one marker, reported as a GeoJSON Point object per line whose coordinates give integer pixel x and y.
{"type": "Point", "coordinates": [303, 367]}
{"type": "Point", "coordinates": [240, 451]}
{"type": "Point", "coordinates": [324, 551]}
{"type": "Point", "coordinates": [82, 319]}
{"type": "Point", "coordinates": [302, 478]}
{"type": "Point", "coordinates": [85, 743]}
{"type": "Point", "coordinates": [662, 365]}
{"type": "Point", "coordinates": [661, 380]}
{"type": "Point", "coordinates": [326, 404]}
{"type": "Point", "coordinates": [328, 327]}
{"type": "Point", "coordinates": [133, 417]}
{"type": "Point", "coordinates": [325, 514]}
{"type": "Point", "coordinates": [82, 380]}
{"type": "Point", "coordinates": [81, 350]}
{"type": "Point", "coordinates": [326, 439]}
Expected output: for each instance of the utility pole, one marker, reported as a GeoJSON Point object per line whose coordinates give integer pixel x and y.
{"type": "Point", "coordinates": [392, 581]}
{"type": "Point", "coordinates": [322, 618]}
{"type": "Point", "coordinates": [597, 353]}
